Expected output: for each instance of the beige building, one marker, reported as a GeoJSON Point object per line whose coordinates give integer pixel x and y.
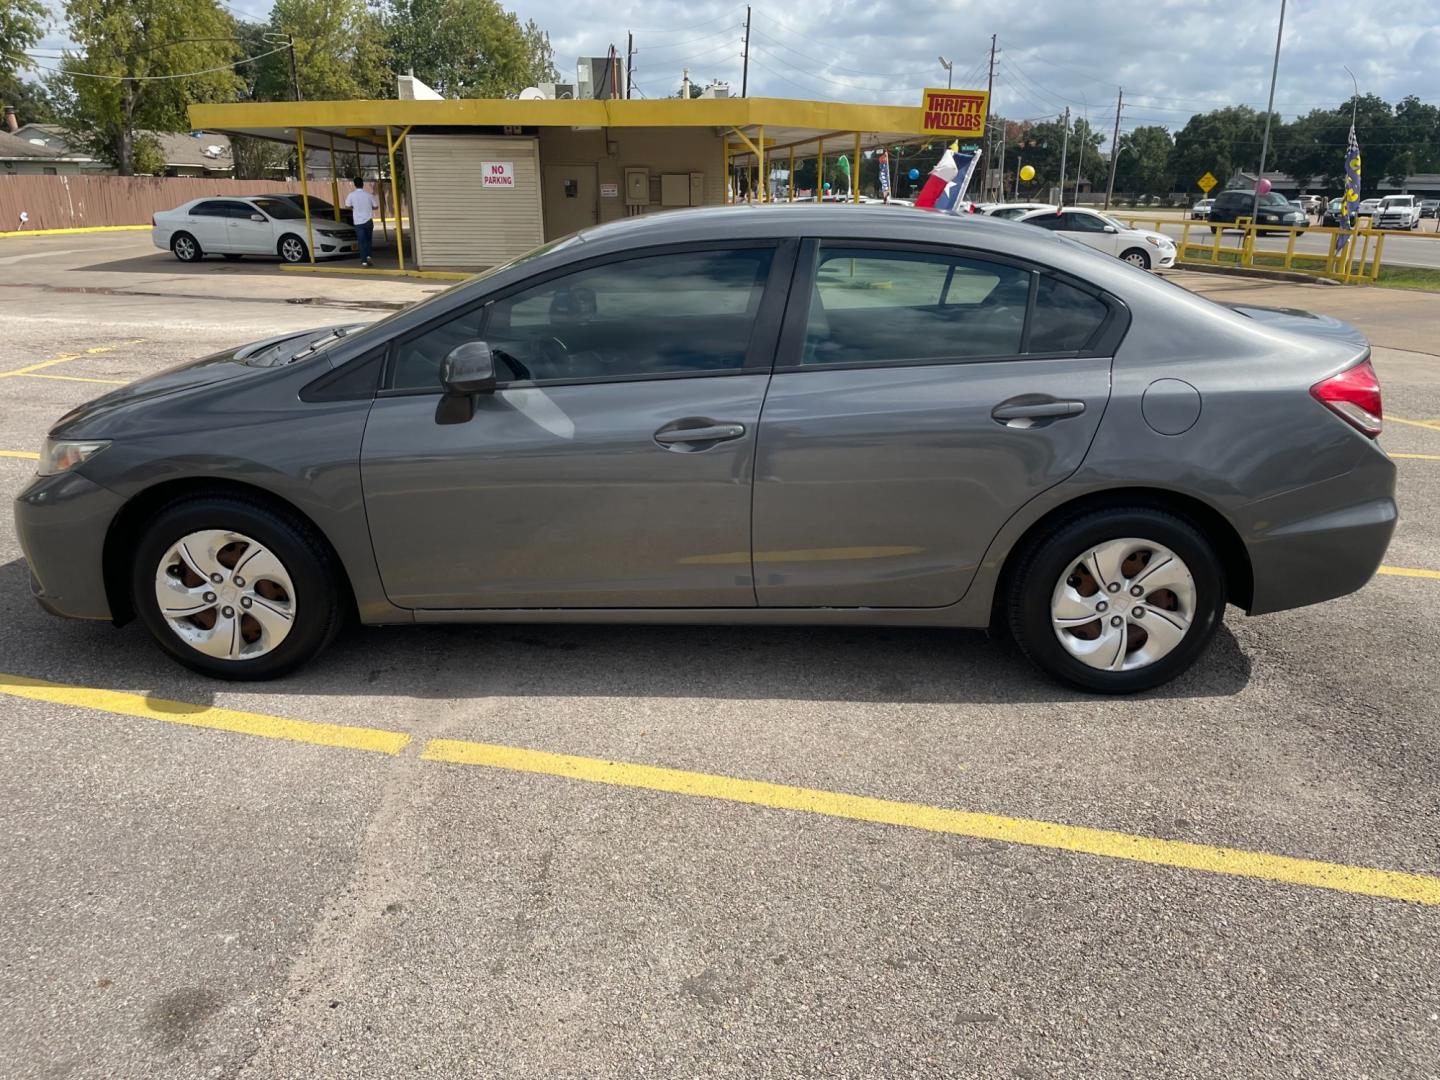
{"type": "Point", "coordinates": [486, 180]}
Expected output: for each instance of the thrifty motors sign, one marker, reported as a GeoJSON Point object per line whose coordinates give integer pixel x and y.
{"type": "Point", "coordinates": [497, 174]}
{"type": "Point", "coordinates": [960, 113]}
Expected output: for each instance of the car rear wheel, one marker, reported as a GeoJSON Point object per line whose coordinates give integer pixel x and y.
{"type": "Point", "coordinates": [234, 589]}
{"type": "Point", "coordinates": [1117, 601]}
{"type": "Point", "coordinates": [1137, 257]}
{"type": "Point", "coordinates": [186, 248]}
{"type": "Point", "coordinates": [292, 249]}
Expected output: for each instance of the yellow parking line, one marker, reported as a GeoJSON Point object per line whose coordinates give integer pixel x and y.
{"type": "Point", "coordinates": [1408, 571]}
{"type": "Point", "coordinates": [1418, 457]}
{"type": "Point", "coordinates": [1391, 884]}
{"type": "Point", "coordinates": [28, 455]}
{"type": "Point", "coordinates": [1414, 423]}
{"type": "Point", "coordinates": [63, 358]}
{"type": "Point", "coordinates": [75, 378]}
{"type": "Point", "coordinates": [206, 716]}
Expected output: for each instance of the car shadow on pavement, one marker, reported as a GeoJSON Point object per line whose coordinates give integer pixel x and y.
{"type": "Point", "coordinates": [821, 664]}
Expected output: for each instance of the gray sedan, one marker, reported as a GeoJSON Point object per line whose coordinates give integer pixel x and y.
{"type": "Point", "coordinates": [827, 415]}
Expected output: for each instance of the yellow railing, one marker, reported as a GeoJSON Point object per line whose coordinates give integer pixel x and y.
{"type": "Point", "coordinates": [1233, 244]}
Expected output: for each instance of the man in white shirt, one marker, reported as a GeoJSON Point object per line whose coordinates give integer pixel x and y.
{"type": "Point", "coordinates": [362, 208]}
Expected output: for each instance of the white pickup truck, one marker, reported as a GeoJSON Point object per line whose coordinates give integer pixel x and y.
{"type": "Point", "coordinates": [1396, 212]}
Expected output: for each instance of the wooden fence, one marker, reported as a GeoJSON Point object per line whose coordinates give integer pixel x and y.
{"type": "Point", "coordinates": [66, 202]}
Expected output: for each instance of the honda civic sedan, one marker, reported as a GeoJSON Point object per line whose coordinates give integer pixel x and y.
{"type": "Point", "coordinates": [779, 415]}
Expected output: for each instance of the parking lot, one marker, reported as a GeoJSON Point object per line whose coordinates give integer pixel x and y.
{"type": "Point", "coordinates": [721, 852]}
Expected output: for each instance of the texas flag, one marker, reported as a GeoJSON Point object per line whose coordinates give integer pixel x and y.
{"type": "Point", "coordinates": [944, 190]}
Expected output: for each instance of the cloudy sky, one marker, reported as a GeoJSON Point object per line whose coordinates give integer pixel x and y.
{"type": "Point", "coordinates": [1173, 58]}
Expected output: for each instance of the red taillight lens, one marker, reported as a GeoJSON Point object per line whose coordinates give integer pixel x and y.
{"type": "Point", "coordinates": [1354, 396]}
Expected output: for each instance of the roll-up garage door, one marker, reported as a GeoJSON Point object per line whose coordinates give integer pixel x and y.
{"type": "Point", "coordinates": [474, 200]}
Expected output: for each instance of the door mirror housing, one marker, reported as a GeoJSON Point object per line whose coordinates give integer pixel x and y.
{"type": "Point", "coordinates": [469, 368]}
{"type": "Point", "coordinates": [1111, 229]}
{"type": "Point", "coordinates": [258, 217]}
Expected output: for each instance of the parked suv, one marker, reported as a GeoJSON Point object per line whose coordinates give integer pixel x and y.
{"type": "Point", "coordinates": [1429, 208]}
{"type": "Point", "coordinates": [1274, 209]}
{"type": "Point", "coordinates": [1396, 212]}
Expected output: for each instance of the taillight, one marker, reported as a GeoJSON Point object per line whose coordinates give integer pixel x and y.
{"type": "Point", "coordinates": [1354, 396]}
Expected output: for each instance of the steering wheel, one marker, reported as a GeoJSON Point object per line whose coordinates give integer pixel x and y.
{"type": "Point", "coordinates": [556, 355]}
{"type": "Point", "coordinates": [514, 364]}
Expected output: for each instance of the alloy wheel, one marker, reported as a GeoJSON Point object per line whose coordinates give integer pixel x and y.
{"type": "Point", "coordinates": [184, 248]}
{"type": "Point", "coordinates": [225, 594]}
{"type": "Point", "coordinates": [1123, 604]}
{"type": "Point", "coordinates": [292, 250]}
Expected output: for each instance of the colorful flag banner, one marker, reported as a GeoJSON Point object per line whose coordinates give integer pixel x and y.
{"type": "Point", "coordinates": [1352, 190]}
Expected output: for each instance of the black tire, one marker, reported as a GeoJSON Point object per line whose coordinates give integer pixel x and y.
{"type": "Point", "coordinates": [292, 249]}
{"type": "Point", "coordinates": [186, 248]}
{"type": "Point", "coordinates": [1043, 561]}
{"type": "Point", "coordinates": [231, 257]}
{"type": "Point", "coordinates": [304, 555]}
{"type": "Point", "coordinates": [1143, 262]}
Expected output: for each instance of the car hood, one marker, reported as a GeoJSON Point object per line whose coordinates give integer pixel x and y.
{"type": "Point", "coordinates": [1302, 322]}
{"type": "Point", "coordinates": [1148, 234]}
{"type": "Point", "coordinates": [88, 420]}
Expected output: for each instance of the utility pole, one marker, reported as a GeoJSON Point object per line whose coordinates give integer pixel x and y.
{"type": "Point", "coordinates": [629, 63]}
{"type": "Point", "coordinates": [990, 94]}
{"type": "Point", "coordinates": [745, 70]}
{"type": "Point", "coordinates": [1080, 157]}
{"type": "Point", "coordinates": [1269, 110]}
{"type": "Point", "coordinates": [685, 83]}
{"type": "Point", "coordinates": [294, 74]}
{"type": "Point", "coordinates": [1114, 147]}
{"type": "Point", "coordinates": [1064, 151]}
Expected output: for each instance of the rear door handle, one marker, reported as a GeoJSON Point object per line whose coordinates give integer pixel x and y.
{"type": "Point", "coordinates": [682, 437]}
{"type": "Point", "coordinates": [1022, 414]}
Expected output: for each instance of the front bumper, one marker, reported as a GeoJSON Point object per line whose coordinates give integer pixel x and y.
{"type": "Point", "coordinates": [62, 522]}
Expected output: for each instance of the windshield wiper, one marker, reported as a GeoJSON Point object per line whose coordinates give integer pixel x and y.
{"type": "Point", "coordinates": [334, 335]}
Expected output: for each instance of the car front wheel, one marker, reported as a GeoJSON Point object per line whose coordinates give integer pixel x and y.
{"type": "Point", "coordinates": [1117, 601]}
{"type": "Point", "coordinates": [293, 250]}
{"type": "Point", "coordinates": [186, 248]}
{"type": "Point", "coordinates": [1136, 257]}
{"type": "Point", "coordinates": [234, 589]}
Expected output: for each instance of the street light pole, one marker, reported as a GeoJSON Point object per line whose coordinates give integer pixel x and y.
{"type": "Point", "coordinates": [949, 67]}
{"type": "Point", "coordinates": [1269, 110]}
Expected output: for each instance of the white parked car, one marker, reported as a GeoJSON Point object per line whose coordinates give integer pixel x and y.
{"type": "Point", "coordinates": [1013, 210]}
{"type": "Point", "coordinates": [1396, 212]}
{"type": "Point", "coordinates": [1201, 210]}
{"type": "Point", "coordinates": [257, 225]}
{"type": "Point", "coordinates": [1367, 207]}
{"type": "Point", "coordinates": [1139, 247]}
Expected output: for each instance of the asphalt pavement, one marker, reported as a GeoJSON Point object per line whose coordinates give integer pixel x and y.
{"type": "Point", "coordinates": [678, 852]}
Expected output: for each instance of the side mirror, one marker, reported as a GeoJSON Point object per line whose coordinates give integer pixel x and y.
{"type": "Point", "coordinates": [1111, 229]}
{"type": "Point", "coordinates": [469, 369]}
{"type": "Point", "coordinates": [258, 217]}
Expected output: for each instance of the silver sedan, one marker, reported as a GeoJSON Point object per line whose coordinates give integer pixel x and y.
{"type": "Point", "coordinates": [827, 415]}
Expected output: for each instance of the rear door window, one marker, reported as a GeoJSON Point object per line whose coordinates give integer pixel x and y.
{"type": "Point", "coordinates": [871, 306]}
{"type": "Point", "coordinates": [1066, 318]}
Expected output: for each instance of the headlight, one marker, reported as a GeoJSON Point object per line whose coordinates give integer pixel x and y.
{"type": "Point", "coordinates": [59, 455]}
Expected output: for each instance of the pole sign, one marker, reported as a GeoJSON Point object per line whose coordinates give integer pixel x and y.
{"type": "Point", "coordinates": [1206, 182]}
{"type": "Point", "coordinates": [497, 174]}
{"type": "Point", "coordinates": [959, 114]}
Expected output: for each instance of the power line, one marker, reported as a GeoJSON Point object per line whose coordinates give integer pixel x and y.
{"type": "Point", "coordinates": [156, 78]}
{"type": "Point", "coordinates": [827, 64]}
{"type": "Point", "coordinates": [824, 79]}
{"type": "Point", "coordinates": [685, 29]}
{"type": "Point", "coordinates": [692, 41]}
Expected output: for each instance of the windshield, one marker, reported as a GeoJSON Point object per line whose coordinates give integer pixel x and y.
{"type": "Point", "coordinates": [1112, 221]}
{"type": "Point", "coordinates": [280, 210]}
{"type": "Point", "coordinates": [1271, 198]}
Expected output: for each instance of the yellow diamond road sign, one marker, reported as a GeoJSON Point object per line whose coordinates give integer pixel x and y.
{"type": "Point", "coordinates": [1207, 182]}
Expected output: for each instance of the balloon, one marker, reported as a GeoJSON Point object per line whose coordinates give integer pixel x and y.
{"type": "Point", "coordinates": [914, 174]}
{"type": "Point", "coordinates": [1027, 173]}
{"type": "Point", "coordinates": [827, 185]}
{"type": "Point", "coordinates": [1262, 186]}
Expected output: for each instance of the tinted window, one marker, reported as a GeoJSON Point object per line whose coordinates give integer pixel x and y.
{"type": "Point", "coordinates": [212, 208]}
{"type": "Point", "coordinates": [1083, 223]}
{"type": "Point", "coordinates": [887, 307]}
{"type": "Point", "coordinates": [284, 211]}
{"type": "Point", "coordinates": [687, 313]}
{"type": "Point", "coordinates": [1047, 221]}
{"type": "Point", "coordinates": [1065, 317]}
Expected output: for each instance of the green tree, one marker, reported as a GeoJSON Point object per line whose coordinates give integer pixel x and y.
{"type": "Point", "coordinates": [31, 100]}
{"type": "Point", "coordinates": [340, 52]}
{"type": "Point", "coordinates": [468, 48]}
{"type": "Point", "coordinates": [1219, 142]}
{"type": "Point", "coordinates": [143, 63]}
{"type": "Point", "coordinates": [22, 22]}
{"type": "Point", "coordinates": [1143, 167]}
{"type": "Point", "coordinates": [1394, 142]}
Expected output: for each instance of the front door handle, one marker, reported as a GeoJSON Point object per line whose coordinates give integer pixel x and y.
{"type": "Point", "coordinates": [1024, 414]}
{"type": "Point", "coordinates": [698, 434]}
